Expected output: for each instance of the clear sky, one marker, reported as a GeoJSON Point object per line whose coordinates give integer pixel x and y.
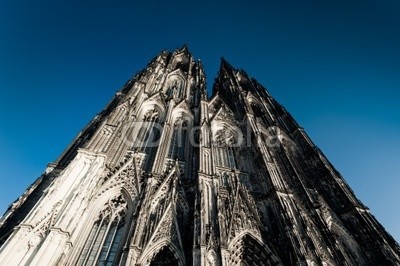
{"type": "Point", "coordinates": [335, 65]}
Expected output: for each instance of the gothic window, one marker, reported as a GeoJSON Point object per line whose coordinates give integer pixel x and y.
{"type": "Point", "coordinates": [140, 138]}
{"type": "Point", "coordinates": [231, 156]}
{"type": "Point", "coordinates": [178, 141]}
{"type": "Point", "coordinates": [175, 87]}
{"type": "Point", "coordinates": [225, 155]}
{"type": "Point", "coordinates": [149, 133]}
{"type": "Point", "coordinates": [149, 137]}
{"type": "Point", "coordinates": [105, 240]}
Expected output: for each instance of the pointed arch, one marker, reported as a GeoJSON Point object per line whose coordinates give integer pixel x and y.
{"type": "Point", "coordinates": [260, 111]}
{"type": "Point", "coordinates": [175, 85]}
{"type": "Point", "coordinates": [150, 114]}
{"type": "Point", "coordinates": [346, 244]}
{"type": "Point", "coordinates": [164, 257]}
{"type": "Point", "coordinates": [148, 130]}
{"type": "Point", "coordinates": [154, 255]}
{"type": "Point", "coordinates": [226, 138]}
{"type": "Point", "coordinates": [155, 104]}
{"type": "Point", "coordinates": [247, 249]}
{"type": "Point", "coordinates": [183, 110]}
{"type": "Point", "coordinates": [179, 139]}
{"type": "Point", "coordinates": [121, 179]}
{"type": "Point", "coordinates": [163, 191]}
{"type": "Point", "coordinates": [231, 133]}
{"type": "Point", "coordinates": [105, 231]}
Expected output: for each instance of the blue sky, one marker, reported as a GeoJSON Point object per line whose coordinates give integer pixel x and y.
{"type": "Point", "coordinates": [335, 65]}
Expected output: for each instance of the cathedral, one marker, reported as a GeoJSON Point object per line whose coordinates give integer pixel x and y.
{"type": "Point", "coordinates": [165, 175]}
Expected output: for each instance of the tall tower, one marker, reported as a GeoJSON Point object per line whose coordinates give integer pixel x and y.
{"type": "Point", "coordinates": [165, 176]}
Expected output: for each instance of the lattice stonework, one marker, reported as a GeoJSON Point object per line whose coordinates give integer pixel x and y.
{"type": "Point", "coordinates": [166, 175]}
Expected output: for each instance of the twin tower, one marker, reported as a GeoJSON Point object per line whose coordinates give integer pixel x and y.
{"type": "Point", "coordinates": [166, 176]}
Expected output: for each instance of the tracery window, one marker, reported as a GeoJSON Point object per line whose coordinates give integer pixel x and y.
{"type": "Point", "coordinates": [105, 240]}
{"type": "Point", "coordinates": [226, 156]}
{"type": "Point", "coordinates": [178, 141]}
{"type": "Point", "coordinates": [149, 134]}
{"type": "Point", "coordinates": [175, 87]}
{"type": "Point", "coordinates": [225, 153]}
{"type": "Point", "coordinates": [148, 137]}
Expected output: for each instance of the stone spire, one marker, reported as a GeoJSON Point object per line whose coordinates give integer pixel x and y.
{"type": "Point", "coordinates": [165, 176]}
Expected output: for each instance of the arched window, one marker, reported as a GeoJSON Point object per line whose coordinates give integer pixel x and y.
{"type": "Point", "coordinates": [230, 152]}
{"type": "Point", "coordinates": [104, 243]}
{"type": "Point", "coordinates": [175, 87]}
{"type": "Point", "coordinates": [149, 132]}
{"type": "Point", "coordinates": [148, 137]}
{"type": "Point", "coordinates": [224, 148]}
{"type": "Point", "coordinates": [225, 155]}
{"type": "Point", "coordinates": [178, 141]}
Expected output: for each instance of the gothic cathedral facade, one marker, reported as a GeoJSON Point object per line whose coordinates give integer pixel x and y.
{"type": "Point", "coordinates": [166, 176]}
